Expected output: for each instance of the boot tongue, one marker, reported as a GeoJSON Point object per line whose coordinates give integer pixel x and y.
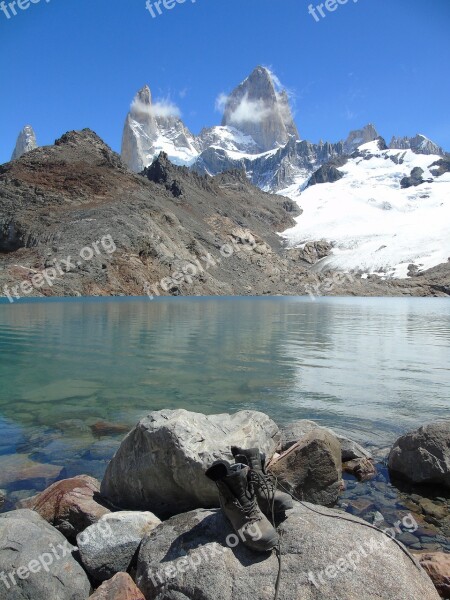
{"type": "Point", "coordinates": [253, 458]}
{"type": "Point", "coordinates": [238, 483]}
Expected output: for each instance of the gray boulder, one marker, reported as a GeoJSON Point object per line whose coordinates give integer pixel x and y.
{"type": "Point", "coordinates": [36, 561]}
{"type": "Point", "coordinates": [108, 547]}
{"type": "Point", "coordinates": [312, 468]}
{"type": "Point", "coordinates": [294, 432]}
{"type": "Point", "coordinates": [160, 465]}
{"type": "Point", "coordinates": [196, 555]}
{"type": "Point", "coordinates": [423, 456]}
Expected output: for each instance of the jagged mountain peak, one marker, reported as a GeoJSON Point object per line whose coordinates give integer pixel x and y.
{"type": "Point", "coordinates": [26, 141]}
{"type": "Point", "coordinates": [358, 137]}
{"type": "Point", "coordinates": [419, 144]}
{"type": "Point", "coordinates": [258, 108]}
{"type": "Point", "coordinates": [152, 127]}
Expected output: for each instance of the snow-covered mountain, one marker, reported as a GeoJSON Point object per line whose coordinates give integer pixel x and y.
{"type": "Point", "coordinates": [257, 134]}
{"type": "Point", "coordinates": [153, 128]}
{"type": "Point", "coordinates": [389, 210]}
{"type": "Point", "coordinates": [26, 141]}
{"type": "Point", "coordinates": [260, 109]}
{"type": "Point", "coordinates": [419, 144]}
{"type": "Point", "coordinates": [383, 209]}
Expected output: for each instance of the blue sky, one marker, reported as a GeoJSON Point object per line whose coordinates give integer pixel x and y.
{"type": "Point", "coordinates": [69, 64]}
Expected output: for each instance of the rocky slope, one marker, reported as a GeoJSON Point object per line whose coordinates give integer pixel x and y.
{"type": "Point", "coordinates": [74, 220]}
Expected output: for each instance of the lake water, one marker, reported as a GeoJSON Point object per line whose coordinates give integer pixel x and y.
{"type": "Point", "coordinates": [372, 368]}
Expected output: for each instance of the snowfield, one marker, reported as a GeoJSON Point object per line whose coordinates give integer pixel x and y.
{"type": "Point", "coordinates": [374, 224]}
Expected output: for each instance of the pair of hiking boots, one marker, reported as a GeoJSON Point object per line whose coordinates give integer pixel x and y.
{"type": "Point", "coordinates": [249, 499]}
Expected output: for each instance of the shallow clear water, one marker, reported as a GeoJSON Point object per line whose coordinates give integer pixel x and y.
{"type": "Point", "coordinates": [369, 367]}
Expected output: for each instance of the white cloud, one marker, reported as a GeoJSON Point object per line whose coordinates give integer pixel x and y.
{"type": "Point", "coordinates": [165, 108]}
{"type": "Point", "coordinates": [249, 111]}
{"type": "Point", "coordinates": [160, 108]}
{"type": "Point", "coordinates": [221, 102]}
{"type": "Point", "coordinates": [275, 79]}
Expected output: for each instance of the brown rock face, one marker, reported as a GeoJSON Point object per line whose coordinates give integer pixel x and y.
{"type": "Point", "coordinates": [437, 565]}
{"type": "Point", "coordinates": [69, 505]}
{"type": "Point", "coordinates": [120, 587]}
{"type": "Point", "coordinates": [312, 468]}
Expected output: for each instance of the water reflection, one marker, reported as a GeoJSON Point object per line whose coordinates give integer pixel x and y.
{"type": "Point", "coordinates": [370, 367]}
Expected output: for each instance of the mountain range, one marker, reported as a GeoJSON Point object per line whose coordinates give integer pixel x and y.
{"type": "Point", "coordinates": [257, 134]}
{"type": "Point", "coordinates": [379, 208]}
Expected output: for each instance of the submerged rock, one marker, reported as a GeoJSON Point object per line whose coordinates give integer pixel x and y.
{"type": "Point", "coordinates": [361, 468]}
{"type": "Point", "coordinates": [323, 556]}
{"type": "Point", "coordinates": [161, 464]}
{"type": "Point", "coordinates": [37, 561]}
{"type": "Point", "coordinates": [19, 468]}
{"type": "Point", "coordinates": [70, 505]}
{"type": "Point", "coordinates": [312, 468]}
{"type": "Point", "coordinates": [423, 456]}
{"type": "Point", "coordinates": [108, 547]}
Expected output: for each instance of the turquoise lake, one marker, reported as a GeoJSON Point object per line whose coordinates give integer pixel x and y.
{"type": "Point", "coordinates": [371, 368]}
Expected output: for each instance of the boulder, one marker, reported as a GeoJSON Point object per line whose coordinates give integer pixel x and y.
{"type": "Point", "coordinates": [196, 555]}
{"type": "Point", "coordinates": [120, 587]}
{"type": "Point", "coordinates": [108, 547]}
{"type": "Point", "coordinates": [350, 450]}
{"type": "Point", "coordinates": [160, 465]}
{"type": "Point", "coordinates": [296, 431]}
{"type": "Point", "coordinates": [312, 468]}
{"type": "Point", "coordinates": [37, 562]}
{"type": "Point", "coordinates": [437, 565]}
{"type": "Point", "coordinates": [70, 505]}
{"type": "Point", "coordinates": [423, 456]}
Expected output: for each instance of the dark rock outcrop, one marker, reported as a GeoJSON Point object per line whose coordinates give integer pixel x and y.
{"type": "Point", "coordinates": [311, 468]}
{"type": "Point", "coordinates": [414, 179]}
{"type": "Point", "coordinates": [423, 456]}
{"type": "Point", "coordinates": [328, 173]}
{"type": "Point", "coordinates": [440, 167]}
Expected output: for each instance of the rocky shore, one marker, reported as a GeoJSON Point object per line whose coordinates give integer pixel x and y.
{"type": "Point", "coordinates": [152, 529]}
{"type": "Point", "coordinates": [74, 221]}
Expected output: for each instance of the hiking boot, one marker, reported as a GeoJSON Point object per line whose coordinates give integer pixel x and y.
{"type": "Point", "coordinates": [271, 501]}
{"type": "Point", "coordinates": [238, 502]}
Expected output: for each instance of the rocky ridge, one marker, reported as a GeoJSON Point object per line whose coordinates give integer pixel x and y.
{"type": "Point", "coordinates": [216, 235]}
